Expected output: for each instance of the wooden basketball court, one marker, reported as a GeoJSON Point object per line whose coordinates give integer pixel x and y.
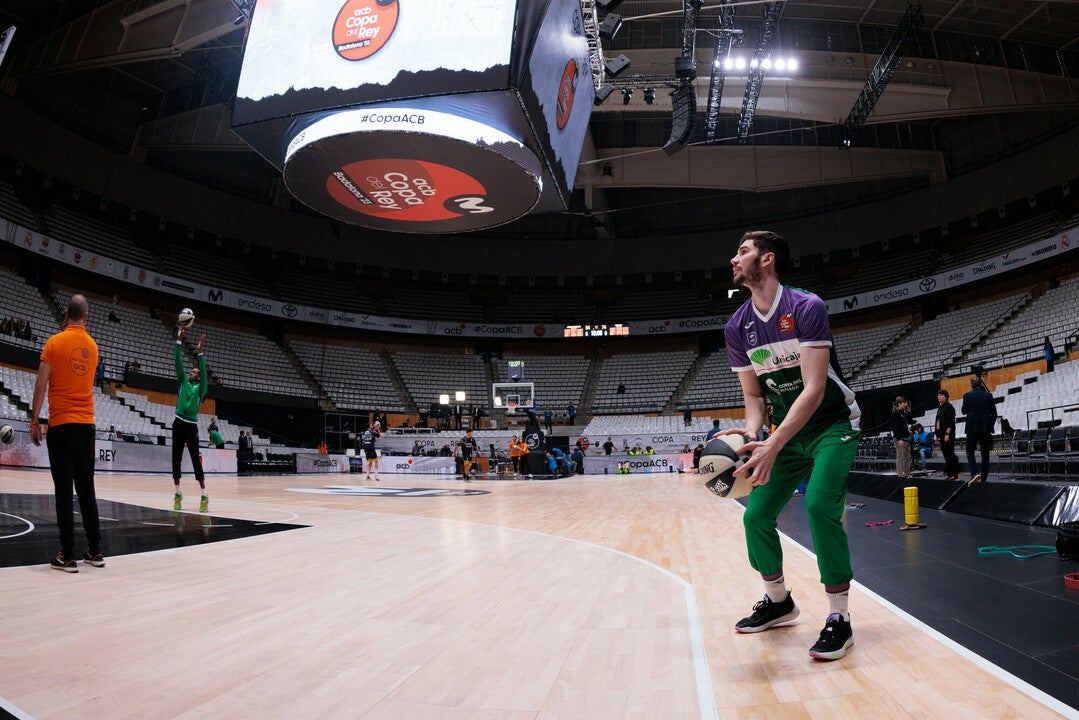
{"type": "Point", "coordinates": [576, 599]}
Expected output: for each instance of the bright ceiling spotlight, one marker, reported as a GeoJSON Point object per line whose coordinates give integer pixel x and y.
{"type": "Point", "coordinates": [792, 65]}
{"type": "Point", "coordinates": [740, 63]}
{"type": "Point", "coordinates": [728, 64]}
{"type": "Point", "coordinates": [781, 65]}
{"type": "Point", "coordinates": [767, 64]}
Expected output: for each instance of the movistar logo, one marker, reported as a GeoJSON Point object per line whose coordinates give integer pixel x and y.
{"type": "Point", "coordinates": [759, 357]}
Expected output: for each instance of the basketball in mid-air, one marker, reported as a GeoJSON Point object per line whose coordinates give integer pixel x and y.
{"type": "Point", "coordinates": [7, 434]}
{"type": "Point", "coordinates": [719, 460]}
{"type": "Point", "coordinates": [186, 318]}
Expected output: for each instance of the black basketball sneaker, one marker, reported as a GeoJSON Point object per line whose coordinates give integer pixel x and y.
{"type": "Point", "coordinates": [768, 614]}
{"type": "Point", "coordinates": [834, 639]}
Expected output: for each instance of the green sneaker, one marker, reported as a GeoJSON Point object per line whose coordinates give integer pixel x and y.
{"type": "Point", "coordinates": [204, 504]}
{"type": "Point", "coordinates": [176, 500]}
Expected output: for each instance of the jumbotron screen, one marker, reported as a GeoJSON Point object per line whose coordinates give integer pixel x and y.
{"type": "Point", "coordinates": [418, 116]}
{"type": "Point", "coordinates": [308, 55]}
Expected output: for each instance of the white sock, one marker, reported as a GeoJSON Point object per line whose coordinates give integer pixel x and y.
{"type": "Point", "coordinates": [776, 590]}
{"type": "Point", "coordinates": [837, 603]}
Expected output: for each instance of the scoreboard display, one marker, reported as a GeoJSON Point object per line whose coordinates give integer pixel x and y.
{"type": "Point", "coordinates": [593, 331]}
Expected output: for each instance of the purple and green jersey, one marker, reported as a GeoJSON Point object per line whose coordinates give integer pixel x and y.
{"type": "Point", "coordinates": [770, 345]}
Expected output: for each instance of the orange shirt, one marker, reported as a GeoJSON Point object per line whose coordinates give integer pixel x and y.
{"type": "Point", "coordinates": [72, 358]}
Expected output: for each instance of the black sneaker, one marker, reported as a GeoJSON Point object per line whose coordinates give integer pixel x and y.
{"type": "Point", "coordinates": [768, 614]}
{"type": "Point", "coordinates": [97, 559]}
{"type": "Point", "coordinates": [60, 562]}
{"type": "Point", "coordinates": [834, 639]}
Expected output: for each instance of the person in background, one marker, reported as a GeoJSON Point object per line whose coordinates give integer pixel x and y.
{"type": "Point", "coordinates": [578, 459]}
{"type": "Point", "coordinates": [1047, 346]}
{"type": "Point", "coordinates": [66, 374]}
{"type": "Point", "coordinates": [713, 432]}
{"type": "Point", "coordinates": [900, 425]}
{"type": "Point", "coordinates": [923, 443]}
{"type": "Point", "coordinates": [469, 450]}
{"type": "Point", "coordinates": [215, 437]}
{"type": "Point", "coordinates": [518, 451]}
{"type": "Point", "coordinates": [945, 430]}
{"type": "Point", "coordinates": [367, 442]}
{"type": "Point", "coordinates": [981, 414]}
{"type": "Point", "coordinates": [185, 425]}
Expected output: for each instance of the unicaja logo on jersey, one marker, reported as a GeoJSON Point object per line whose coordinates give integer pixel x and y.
{"type": "Point", "coordinates": [759, 357]}
{"type": "Point", "coordinates": [363, 27]}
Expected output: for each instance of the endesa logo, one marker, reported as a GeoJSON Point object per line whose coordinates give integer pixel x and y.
{"type": "Point", "coordinates": [363, 27]}
{"type": "Point", "coordinates": [407, 190]}
{"type": "Point", "coordinates": [567, 90]}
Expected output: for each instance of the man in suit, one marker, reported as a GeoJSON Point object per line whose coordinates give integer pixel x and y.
{"type": "Point", "coordinates": [981, 415]}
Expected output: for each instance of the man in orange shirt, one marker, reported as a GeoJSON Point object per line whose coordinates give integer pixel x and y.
{"type": "Point", "coordinates": [68, 365]}
{"type": "Point", "coordinates": [518, 449]}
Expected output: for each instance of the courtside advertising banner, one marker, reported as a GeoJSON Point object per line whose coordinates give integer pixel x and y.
{"type": "Point", "coordinates": [119, 457]}
{"type": "Point", "coordinates": [608, 464]}
{"type": "Point", "coordinates": [312, 463]}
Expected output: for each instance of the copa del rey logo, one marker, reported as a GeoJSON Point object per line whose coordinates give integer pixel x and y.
{"type": "Point", "coordinates": [363, 27]}
{"type": "Point", "coordinates": [408, 190]}
{"type": "Point", "coordinates": [567, 90]}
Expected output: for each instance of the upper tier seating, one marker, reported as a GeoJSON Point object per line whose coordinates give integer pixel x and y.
{"type": "Point", "coordinates": [354, 377]}
{"type": "Point", "coordinates": [923, 353]}
{"type": "Point", "coordinates": [429, 375]}
{"type": "Point", "coordinates": [650, 380]}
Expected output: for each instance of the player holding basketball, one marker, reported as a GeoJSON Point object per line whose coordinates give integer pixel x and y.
{"type": "Point", "coordinates": [469, 449]}
{"type": "Point", "coordinates": [780, 344]}
{"type": "Point", "coordinates": [185, 425]}
{"type": "Point", "coordinates": [367, 443]}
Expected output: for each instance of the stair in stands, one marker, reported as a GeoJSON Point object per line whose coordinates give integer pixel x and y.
{"type": "Point", "coordinates": [325, 402]}
{"type": "Point", "coordinates": [687, 381]}
{"type": "Point", "coordinates": [590, 381]}
{"type": "Point", "coordinates": [398, 382]}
